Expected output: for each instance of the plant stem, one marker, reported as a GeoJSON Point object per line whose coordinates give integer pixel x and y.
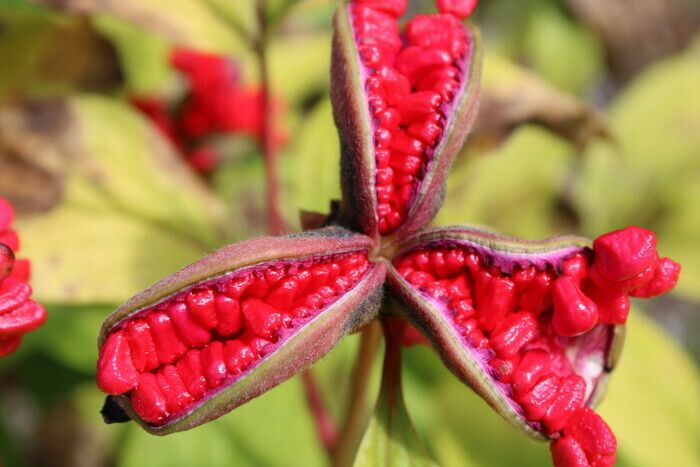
{"type": "Point", "coordinates": [275, 221]}
{"type": "Point", "coordinates": [325, 426]}
{"type": "Point", "coordinates": [357, 410]}
{"type": "Point", "coordinates": [391, 371]}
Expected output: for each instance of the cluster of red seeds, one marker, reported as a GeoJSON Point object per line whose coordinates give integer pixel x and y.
{"type": "Point", "coordinates": [525, 318]}
{"type": "Point", "coordinates": [216, 103]}
{"type": "Point", "coordinates": [172, 356]}
{"type": "Point", "coordinates": [410, 83]}
{"type": "Point", "coordinates": [18, 313]}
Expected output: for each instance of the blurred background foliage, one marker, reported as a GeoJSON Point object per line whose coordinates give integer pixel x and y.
{"type": "Point", "coordinates": [590, 121]}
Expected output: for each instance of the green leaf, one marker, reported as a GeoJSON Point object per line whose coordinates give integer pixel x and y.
{"type": "Point", "coordinates": [315, 156]}
{"type": "Point", "coordinates": [271, 431]}
{"type": "Point", "coordinates": [299, 65]}
{"type": "Point", "coordinates": [69, 335]}
{"type": "Point", "coordinates": [512, 188]}
{"type": "Point", "coordinates": [574, 61]}
{"type": "Point", "coordinates": [652, 403]}
{"type": "Point", "coordinates": [144, 56]}
{"type": "Point", "coordinates": [390, 439]}
{"type": "Point", "coordinates": [131, 211]}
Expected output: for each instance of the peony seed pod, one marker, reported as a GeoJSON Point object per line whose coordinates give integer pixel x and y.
{"type": "Point", "coordinates": [523, 323]}
{"type": "Point", "coordinates": [231, 326]}
{"type": "Point", "coordinates": [403, 105]}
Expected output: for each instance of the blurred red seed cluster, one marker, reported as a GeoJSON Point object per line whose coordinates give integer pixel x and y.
{"type": "Point", "coordinates": [18, 313]}
{"type": "Point", "coordinates": [216, 102]}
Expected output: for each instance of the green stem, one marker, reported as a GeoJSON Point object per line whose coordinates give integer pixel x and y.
{"type": "Point", "coordinates": [357, 410]}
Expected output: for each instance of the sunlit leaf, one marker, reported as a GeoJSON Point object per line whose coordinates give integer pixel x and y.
{"type": "Point", "coordinates": [513, 188]}
{"type": "Point", "coordinates": [189, 22]}
{"type": "Point", "coordinates": [131, 211]}
{"type": "Point", "coordinates": [315, 157]}
{"type": "Point", "coordinates": [390, 439]}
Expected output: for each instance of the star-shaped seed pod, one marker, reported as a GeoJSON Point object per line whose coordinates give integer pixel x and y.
{"type": "Point", "coordinates": [534, 327]}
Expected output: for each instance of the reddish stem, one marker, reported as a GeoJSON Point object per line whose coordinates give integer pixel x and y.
{"type": "Point", "coordinates": [275, 221]}
{"type": "Point", "coordinates": [325, 426]}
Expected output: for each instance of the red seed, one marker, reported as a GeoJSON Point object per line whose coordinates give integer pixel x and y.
{"type": "Point", "coordinates": [522, 277]}
{"type": "Point", "coordinates": [419, 278]}
{"type": "Point", "coordinates": [213, 363]}
{"type": "Point", "coordinates": [613, 306]}
{"type": "Point", "coordinates": [143, 349]}
{"type": "Point", "coordinates": [463, 309]}
{"type": "Point", "coordinates": [513, 333]}
{"type": "Point", "coordinates": [459, 288]}
{"type": "Point", "coordinates": [22, 270]}
{"type": "Point", "coordinates": [13, 293]}
{"type": "Point", "coordinates": [566, 452]}
{"type": "Point", "coordinates": [257, 344]}
{"type": "Point", "coordinates": [238, 286]}
{"type": "Point", "coordinates": [190, 332]}
{"type": "Point", "coordinates": [176, 395]}
{"type": "Point", "coordinates": [258, 288]}
{"type": "Point", "coordinates": [455, 261]}
{"type": "Point", "coordinates": [168, 344]}
{"type": "Point", "coordinates": [7, 214]}
{"type": "Point", "coordinates": [593, 435]}
{"type": "Point", "coordinates": [319, 277]}
{"type": "Point", "coordinates": [148, 400]}
{"type": "Point", "coordinates": [428, 132]}
{"type": "Point", "coordinates": [192, 374]}
{"type": "Point", "coordinates": [540, 397]}
{"type": "Point", "coordinates": [415, 62]}
{"type": "Point", "coordinates": [201, 304]}
{"type": "Point", "coordinates": [238, 356]}
{"type": "Point", "coordinates": [282, 294]}
{"type": "Point", "coordinates": [9, 344]}
{"type": "Point", "coordinates": [389, 119]}
{"type": "Point", "coordinates": [262, 319]}
{"type": "Point", "coordinates": [405, 145]}
{"type": "Point", "coordinates": [228, 313]}
{"type": "Point", "coordinates": [395, 8]}
{"type": "Point", "coordinates": [574, 313]}
{"type": "Point", "coordinates": [665, 277]}
{"type": "Point", "coordinates": [537, 296]}
{"type": "Point", "coordinates": [396, 86]}
{"type": "Point", "coordinates": [10, 238]}
{"type": "Point", "coordinates": [569, 398]}
{"type": "Point", "coordinates": [575, 267]}
{"type": "Point", "coordinates": [303, 279]}
{"type": "Point", "coordinates": [414, 108]}
{"type": "Point", "coordinates": [624, 254]}
{"type": "Point", "coordinates": [459, 8]}
{"type": "Point", "coordinates": [533, 366]}
{"type": "Point", "coordinates": [25, 318]}
{"type": "Point", "coordinates": [116, 373]}
{"type": "Point", "coordinates": [495, 298]}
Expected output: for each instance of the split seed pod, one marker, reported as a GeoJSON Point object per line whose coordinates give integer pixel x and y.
{"type": "Point", "coordinates": [403, 106]}
{"type": "Point", "coordinates": [233, 325]}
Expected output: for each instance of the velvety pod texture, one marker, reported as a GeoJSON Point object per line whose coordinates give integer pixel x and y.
{"type": "Point", "coordinates": [534, 327]}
